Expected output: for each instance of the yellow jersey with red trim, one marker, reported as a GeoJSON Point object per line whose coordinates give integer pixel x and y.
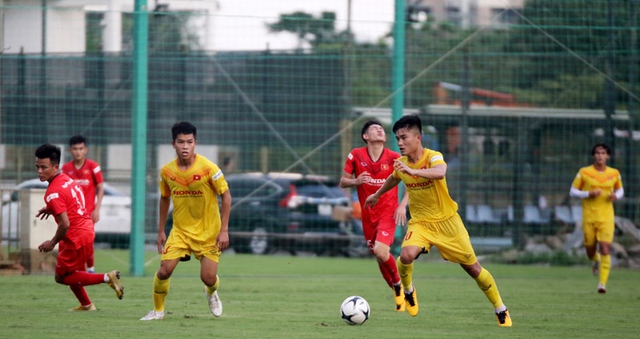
{"type": "Point", "coordinates": [600, 208]}
{"type": "Point", "coordinates": [429, 199]}
{"type": "Point", "coordinates": [194, 193]}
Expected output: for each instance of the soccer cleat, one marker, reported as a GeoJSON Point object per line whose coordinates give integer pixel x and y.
{"type": "Point", "coordinates": [215, 305]}
{"type": "Point", "coordinates": [602, 289]}
{"type": "Point", "coordinates": [596, 268]}
{"type": "Point", "coordinates": [90, 307]}
{"type": "Point", "coordinates": [504, 319]}
{"type": "Point", "coordinates": [398, 295]}
{"type": "Point", "coordinates": [114, 282]}
{"type": "Point", "coordinates": [411, 302]}
{"type": "Point", "coordinates": [153, 315]}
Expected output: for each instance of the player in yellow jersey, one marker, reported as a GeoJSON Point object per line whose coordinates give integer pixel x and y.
{"type": "Point", "coordinates": [434, 216]}
{"type": "Point", "coordinates": [598, 186]}
{"type": "Point", "coordinates": [193, 184]}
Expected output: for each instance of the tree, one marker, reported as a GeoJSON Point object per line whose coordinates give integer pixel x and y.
{"type": "Point", "coordinates": [316, 31]}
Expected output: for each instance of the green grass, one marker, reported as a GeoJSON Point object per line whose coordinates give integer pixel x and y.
{"type": "Point", "coordinates": [299, 297]}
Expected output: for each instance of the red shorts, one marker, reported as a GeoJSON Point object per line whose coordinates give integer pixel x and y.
{"type": "Point", "coordinates": [382, 231]}
{"type": "Point", "coordinates": [72, 260]}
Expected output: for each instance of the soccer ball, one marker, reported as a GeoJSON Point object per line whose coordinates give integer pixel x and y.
{"type": "Point", "coordinates": [355, 310]}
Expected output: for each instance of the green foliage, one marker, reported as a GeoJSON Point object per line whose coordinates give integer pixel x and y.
{"type": "Point", "coordinates": [319, 32]}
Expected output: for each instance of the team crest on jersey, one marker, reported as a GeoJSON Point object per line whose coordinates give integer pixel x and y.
{"type": "Point", "coordinates": [197, 177]}
{"type": "Point", "coordinates": [384, 167]}
{"type": "Point", "coordinates": [364, 164]}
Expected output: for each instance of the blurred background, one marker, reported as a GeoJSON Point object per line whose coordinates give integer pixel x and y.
{"type": "Point", "coordinates": [514, 93]}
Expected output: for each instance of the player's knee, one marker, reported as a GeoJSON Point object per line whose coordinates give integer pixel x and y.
{"type": "Point", "coordinates": [209, 280]}
{"type": "Point", "coordinates": [59, 279]}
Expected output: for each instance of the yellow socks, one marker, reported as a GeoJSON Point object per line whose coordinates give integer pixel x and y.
{"type": "Point", "coordinates": [160, 291]}
{"type": "Point", "coordinates": [605, 268]}
{"type": "Point", "coordinates": [405, 272]}
{"type": "Point", "coordinates": [211, 289]}
{"type": "Point", "coordinates": [488, 286]}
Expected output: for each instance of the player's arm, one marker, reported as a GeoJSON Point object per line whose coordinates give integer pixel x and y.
{"type": "Point", "coordinates": [225, 211]}
{"type": "Point", "coordinates": [61, 231]}
{"type": "Point", "coordinates": [400, 214]}
{"type": "Point", "coordinates": [347, 179]}
{"type": "Point", "coordinates": [95, 215]}
{"type": "Point", "coordinates": [580, 194]}
{"type": "Point", "coordinates": [390, 183]}
{"type": "Point", "coordinates": [163, 213]}
{"type": "Point", "coordinates": [436, 172]}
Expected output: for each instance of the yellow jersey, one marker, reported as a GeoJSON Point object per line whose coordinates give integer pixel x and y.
{"type": "Point", "coordinates": [429, 199]}
{"type": "Point", "coordinates": [194, 193]}
{"type": "Point", "coordinates": [600, 208]}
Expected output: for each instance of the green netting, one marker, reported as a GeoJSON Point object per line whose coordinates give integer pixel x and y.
{"type": "Point", "coordinates": [542, 85]}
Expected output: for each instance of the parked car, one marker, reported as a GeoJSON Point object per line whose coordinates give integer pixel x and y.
{"type": "Point", "coordinates": [115, 214]}
{"type": "Point", "coordinates": [290, 212]}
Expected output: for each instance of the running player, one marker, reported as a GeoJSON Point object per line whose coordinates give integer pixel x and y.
{"type": "Point", "coordinates": [367, 168]}
{"type": "Point", "coordinates": [598, 186]}
{"type": "Point", "coordinates": [193, 184]}
{"type": "Point", "coordinates": [74, 236]}
{"type": "Point", "coordinates": [434, 217]}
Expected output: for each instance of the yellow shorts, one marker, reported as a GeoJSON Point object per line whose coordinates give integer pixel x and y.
{"type": "Point", "coordinates": [597, 231]}
{"type": "Point", "coordinates": [449, 236]}
{"type": "Point", "coordinates": [179, 246]}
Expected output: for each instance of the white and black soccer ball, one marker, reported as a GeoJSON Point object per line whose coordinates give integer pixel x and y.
{"type": "Point", "coordinates": [355, 310]}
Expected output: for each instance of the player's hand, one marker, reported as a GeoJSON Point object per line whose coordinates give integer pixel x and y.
{"type": "Point", "coordinates": [363, 178]}
{"type": "Point", "coordinates": [400, 215]}
{"type": "Point", "coordinates": [95, 216]}
{"type": "Point", "coordinates": [613, 196]}
{"type": "Point", "coordinates": [223, 240]}
{"type": "Point", "coordinates": [402, 167]}
{"type": "Point", "coordinates": [46, 246]}
{"type": "Point", "coordinates": [162, 239]}
{"type": "Point", "coordinates": [43, 213]}
{"type": "Point", "coordinates": [595, 193]}
{"type": "Point", "coordinates": [371, 201]}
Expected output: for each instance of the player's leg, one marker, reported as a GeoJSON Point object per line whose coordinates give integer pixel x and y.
{"type": "Point", "coordinates": [161, 286]}
{"type": "Point", "coordinates": [383, 239]}
{"type": "Point", "coordinates": [604, 236]}
{"type": "Point", "coordinates": [454, 245]}
{"type": "Point", "coordinates": [90, 259]}
{"type": "Point", "coordinates": [209, 276]}
{"type": "Point", "coordinates": [591, 245]}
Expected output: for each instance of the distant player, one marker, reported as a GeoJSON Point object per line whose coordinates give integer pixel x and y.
{"type": "Point", "coordinates": [434, 216]}
{"type": "Point", "coordinates": [88, 175]}
{"type": "Point", "coordinates": [74, 236]}
{"type": "Point", "coordinates": [598, 186]}
{"type": "Point", "coordinates": [193, 184]}
{"type": "Point", "coordinates": [367, 168]}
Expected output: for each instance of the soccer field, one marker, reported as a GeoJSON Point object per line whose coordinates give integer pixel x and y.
{"type": "Point", "coordinates": [299, 297]}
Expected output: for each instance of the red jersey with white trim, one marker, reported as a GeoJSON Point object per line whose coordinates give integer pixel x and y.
{"type": "Point", "coordinates": [64, 195]}
{"type": "Point", "coordinates": [87, 177]}
{"type": "Point", "coordinates": [359, 161]}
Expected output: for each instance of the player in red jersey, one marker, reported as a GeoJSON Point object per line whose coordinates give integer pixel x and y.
{"type": "Point", "coordinates": [74, 236]}
{"type": "Point", "coordinates": [88, 175]}
{"type": "Point", "coordinates": [367, 168]}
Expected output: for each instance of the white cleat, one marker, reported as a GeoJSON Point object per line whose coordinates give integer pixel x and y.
{"type": "Point", "coordinates": [153, 315]}
{"type": "Point", "coordinates": [215, 305]}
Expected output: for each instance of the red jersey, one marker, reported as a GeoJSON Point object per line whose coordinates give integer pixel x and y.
{"type": "Point", "coordinates": [88, 177]}
{"type": "Point", "coordinates": [64, 195]}
{"type": "Point", "coordinates": [359, 161]}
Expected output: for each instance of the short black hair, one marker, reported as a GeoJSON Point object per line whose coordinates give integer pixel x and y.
{"type": "Point", "coordinates": [408, 122]}
{"type": "Point", "coordinates": [366, 126]}
{"type": "Point", "coordinates": [77, 139]}
{"type": "Point", "coordinates": [183, 127]}
{"type": "Point", "coordinates": [49, 151]}
{"type": "Point", "coordinates": [603, 145]}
